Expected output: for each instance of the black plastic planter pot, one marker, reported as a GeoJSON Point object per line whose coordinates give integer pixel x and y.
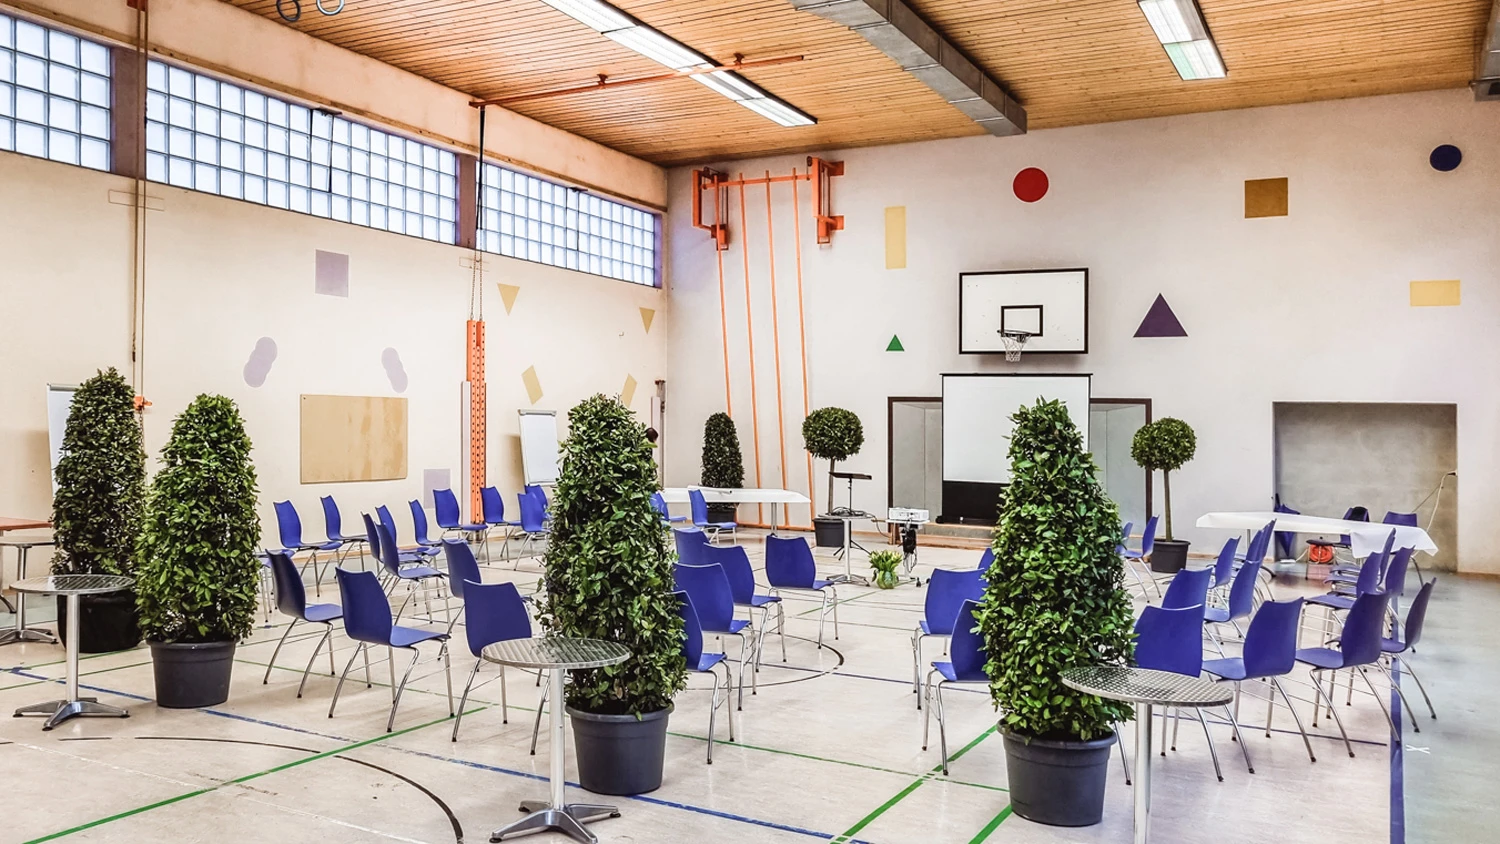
{"type": "Point", "coordinates": [106, 623]}
{"type": "Point", "coordinates": [723, 512]}
{"type": "Point", "coordinates": [1060, 783]}
{"type": "Point", "coordinates": [1169, 556]}
{"type": "Point", "coordinates": [619, 754]}
{"type": "Point", "coordinates": [828, 532]}
{"type": "Point", "coordinates": [192, 675]}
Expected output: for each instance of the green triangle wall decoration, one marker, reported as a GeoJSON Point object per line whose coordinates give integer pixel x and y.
{"type": "Point", "coordinates": [895, 345]}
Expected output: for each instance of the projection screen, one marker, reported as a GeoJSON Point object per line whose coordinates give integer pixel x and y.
{"type": "Point", "coordinates": [976, 419]}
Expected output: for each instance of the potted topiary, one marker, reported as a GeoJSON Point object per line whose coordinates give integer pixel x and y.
{"type": "Point", "coordinates": [96, 511]}
{"type": "Point", "coordinates": [1054, 600]}
{"type": "Point", "coordinates": [832, 434]}
{"type": "Point", "coordinates": [609, 576]}
{"type": "Point", "coordinates": [722, 465]}
{"type": "Point", "coordinates": [197, 572]}
{"type": "Point", "coordinates": [1165, 444]}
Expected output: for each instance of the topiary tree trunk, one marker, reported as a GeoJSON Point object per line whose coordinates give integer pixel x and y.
{"type": "Point", "coordinates": [101, 481]}
{"type": "Point", "coordinates": [1054, 598]}
{"type": "Point", "coordinates": [197, 573]}
{"type": "Point", "coordinates": [608, 572]}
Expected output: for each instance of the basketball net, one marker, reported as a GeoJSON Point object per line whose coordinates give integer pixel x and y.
{"type": "Point", "coordinates": [1015, 342]}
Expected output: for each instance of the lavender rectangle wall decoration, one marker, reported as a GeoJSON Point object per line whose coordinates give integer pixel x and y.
{"type": "Point", "coordinates": [332, 274]}
{"type": "Point", "coordinates": [434, 479]}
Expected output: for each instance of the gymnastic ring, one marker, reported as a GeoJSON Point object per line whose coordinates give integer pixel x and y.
{"type": "Point", "coordinates": [296, 4]}
{"type": "Point", "coordinates": [328, 13]}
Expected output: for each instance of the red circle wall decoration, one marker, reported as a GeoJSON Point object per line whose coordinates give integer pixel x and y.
{"type": "Point", "coordinates": [1030, 184]}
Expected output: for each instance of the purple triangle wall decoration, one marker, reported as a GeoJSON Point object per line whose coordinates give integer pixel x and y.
{"type": "Point", "coordinates": [1160, 321]}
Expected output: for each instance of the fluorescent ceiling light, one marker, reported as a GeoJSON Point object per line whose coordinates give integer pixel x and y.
{"type": "Point", "coordinates": [628, 32]}
{"type": "Point", "coordinates": [658, 48]}
{"type": "Point", "coordinates": [600, 17]}
{"type": "Point", "coordinates": [1180, 27]}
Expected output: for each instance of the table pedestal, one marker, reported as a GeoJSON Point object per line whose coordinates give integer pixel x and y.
{"type": "Point", "coordinates": [58, 711]}
{"type": "Point", "coordinates": [556, 814]}
{"type": "Point", "coordinates": [1142, 772]}
{"type": "Point", "coordinates": [848, 576]}
{"type": "Point", "coordinates": [22, 633]}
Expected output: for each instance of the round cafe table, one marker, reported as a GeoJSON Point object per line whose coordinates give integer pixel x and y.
{"type": "Point", "coordinates": [557, 654]}
{"type": "Point", "coordinates": [71, 587]}
{"type": "Point", "coordinates": [1146, 688]}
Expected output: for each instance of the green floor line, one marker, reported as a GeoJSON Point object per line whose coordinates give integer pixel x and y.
{"type": "Point", "coordinates": [991, 826]}
{"type": "Point", "coordinates": [849, 833]}
{"type": "Point", "coordinates": [243, 779]}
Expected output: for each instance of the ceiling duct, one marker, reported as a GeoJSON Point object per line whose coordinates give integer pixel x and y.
{"type": "Point", "coordinates": [1487, 74]}
{"type": "Point", "coordinates": [922, 51]}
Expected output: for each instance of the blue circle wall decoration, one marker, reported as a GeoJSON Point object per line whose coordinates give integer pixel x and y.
{"type": "Point", "coordinates": [1446, 158]}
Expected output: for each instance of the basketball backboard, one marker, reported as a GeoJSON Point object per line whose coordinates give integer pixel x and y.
{"type": "Point", "coordinates": [1050, 305]}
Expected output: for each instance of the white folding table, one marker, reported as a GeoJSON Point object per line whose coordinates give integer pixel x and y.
{"type": "Point", "coordinates": [717, 495]}
{"type": "Point", "coordinates": [1365, 538]}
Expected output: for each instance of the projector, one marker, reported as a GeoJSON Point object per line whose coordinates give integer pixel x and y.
{"type": "Point", "coordinates": [907, 514]}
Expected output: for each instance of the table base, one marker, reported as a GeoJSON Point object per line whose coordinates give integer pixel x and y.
{"type": "Point", "coordinates": [568, 820]}
{"type": "Point", "coordinates": [26, 634]}
{"type": "Point", "coordinates": [58, 711]}
{"type": "Point", "coordinates": [1142, 785]}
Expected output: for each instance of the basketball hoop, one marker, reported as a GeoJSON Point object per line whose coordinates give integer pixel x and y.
{"type": "Point", "coordinates": [1015, 342]}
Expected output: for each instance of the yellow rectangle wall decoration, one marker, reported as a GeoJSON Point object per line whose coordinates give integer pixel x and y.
{"type": "Point", "coordinates": [353, 438]}
{"type": "Point", "coordinates": [895, 237]}
{"type": "Point", "coordinates": [1429, 294]}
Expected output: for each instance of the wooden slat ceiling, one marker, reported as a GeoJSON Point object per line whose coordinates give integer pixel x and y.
{"type": "Point", "coordinates": [1069, 63]}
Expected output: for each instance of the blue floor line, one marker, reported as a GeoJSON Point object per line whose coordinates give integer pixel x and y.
{"type": "Point", "coordinates": [1398, 760]}
{"type": "Point", "coordinates": [825, 836]}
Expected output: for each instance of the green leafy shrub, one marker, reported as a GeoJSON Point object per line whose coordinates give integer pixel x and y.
{"type": "Point", "coordinates": [101, 481]}
{"type": "Point", "coordinates": [1165, 444]}
{"type": "Point", "coordinates": [197, 573]}
{"type": "Point", "coordinates": [884, 563]}
{"type": "Point", "coordinates": [722, 464]}
{"type": "Point", "coordinates": [833, 434]}
{"type": "Point", "coordinates": [1054, 599]}
{"type": "Point", "coordinates": [608, 573]}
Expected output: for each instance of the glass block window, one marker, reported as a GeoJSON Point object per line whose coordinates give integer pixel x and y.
{"type": "Point", "coordinates": [536, 220]}
{"type": "Point", "coordinates": [54, 94]}
{"type": "Point", "coordinates": [226, 139]}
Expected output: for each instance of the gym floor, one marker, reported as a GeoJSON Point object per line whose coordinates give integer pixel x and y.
{"type": "Point", "coordinates": [829, 749]}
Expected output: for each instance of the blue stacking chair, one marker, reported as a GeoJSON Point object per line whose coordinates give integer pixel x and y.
{"type": "Point", "coordinates": [1240, 603]}
{"type": "Point", "coordinates": [1270, 653]}
{"type": "Point", "coordinates": [539, 492]}
{"type": "Point", "coordinates": [987, 559]}
{"type": "Point", "coordinates": [492, 503]}
{"type": "Point", "coordinates": [1286, 540]}
{"type": "Point", "coordinates": [289, 526]}
{"type": "Point", "coordinates": [946, 592]}
{"type": "Point", "coordinates": [1369, 580]}
{"type": "Point", "coordinates": [736, 564]}
{"type": "Point", "coordinates": [334, 524]}
{"type": "Point", "coordinates": [367, 620]}
{"type": "Point", "coordinates": [713, 601]}
{"type": "Point", "coordinates": [1189, 588]}
{"type": "Point", "coordinates": [1353, 514]}
{"type": "Point", "coordinates": [659, 504]}
{"type": "Point", "coordinates": [494, 612]}
{"type": "Point", "coordinates": [419, 525]}
{"type": "Point", "coordinates": [450, 518]}
{"type": "Point", "coordinates": [1171, 639]}
{"type": "Point", "coordinates": [533, 520]}
{"type": "Point", "coordinates": [383, 514]}
{"type": "Point", "coordinates": [291, 599]}
{"type": "Point", "coordinates": [1223, 568]}
{"type": "Point", "coordinates": [690, 543]}
{"type": "Point", "coordinates": [790, 566]}
{"type": "Point", "coordinates": [700, 518]}
{"type": "Point", "coordinates": [1408, 520]}
{"type": "Point", "coordinates": [702, 663]}
{"type": "Point", "coordinates": [1148, 542]}
{"type": "Point", "coordinates": [400, 570]}
{"type": "Point", "coordinates": [1405, 637]}
{"type": "Point", "coordinates": [967, 656]}
{"type": "Point", "coordinates": [402, 557]}
{"type": "Point", "coordinates": [1359, 646]}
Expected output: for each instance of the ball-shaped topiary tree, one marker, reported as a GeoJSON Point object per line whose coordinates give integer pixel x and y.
{"type": "Point", "coordinates": [1054, 598]}
{"type": "Point", "coordinates": [197, 573]}
{"type": "Point", "coordinates": [101, 480]}
{"type": "Point", "coordinates": [609, 575]}
{"type": "Point", "coordinates": [1165, 444]}
{"type": "Point", "coordinates": [832, 434]}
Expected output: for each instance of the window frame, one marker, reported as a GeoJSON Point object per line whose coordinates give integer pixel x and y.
{"type": "Point", "coordinates": [57, 89]}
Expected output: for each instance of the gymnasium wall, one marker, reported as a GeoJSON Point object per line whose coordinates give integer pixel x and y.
{"type": "Point", "coordinates": [221, 274]}
{"type": "Point", "coordinates": [1311, 306]}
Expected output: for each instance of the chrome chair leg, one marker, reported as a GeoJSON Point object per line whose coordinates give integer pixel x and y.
{"type": "Point", "coordinates": [463, 699]}
{"type": "Point", "coordinates": [713, 712]}
{"type": "Point", "coordinates": [1276, 685]}
{"type": "Point", "coordinates": [396, 701]}
{"type": "Point", "coordinates": [781, 628]}
{"type": "Point", "coordinates": [537, 727]}
{"type": "Point", "coordinates": [1318, 684]}
{"type": "Point", "coordinates": [272, 664]}
{"type": "Point", "coordinates": [1244, 751]}
{"type": "Point", "coordinates": [327, 634]}
{"type": "Point", "coordinates": [359, 649]}
{"type": "Point", "coordinates": [504, 700]}
{"type": "Point", "coordinates": [1120, 740]}
{"type": "Point", "coordinates": [823, 618]}
{"type": "Point", "coordinates": [1395, 730]}
{"type": "Point", "coordinates": [942, 724]}
{"type": "Point", "coordinates": [1405, 666]}
{"type": "Point", "coordinates": [1213, 753]}
{"type": "Point", "coordinates": [927, 710]}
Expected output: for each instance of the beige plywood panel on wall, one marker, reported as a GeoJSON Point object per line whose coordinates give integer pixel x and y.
{"type": "Point", "coordinates": [353, 438]}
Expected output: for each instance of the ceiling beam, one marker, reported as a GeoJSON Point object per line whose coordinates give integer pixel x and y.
{"type": "Point", "coordinates": [928, 55]}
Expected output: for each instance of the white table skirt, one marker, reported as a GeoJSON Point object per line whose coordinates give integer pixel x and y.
{"type": "Point", "coordinates": [1365, 538]}
{"type": "Point", "coordinates": [714, 495]}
